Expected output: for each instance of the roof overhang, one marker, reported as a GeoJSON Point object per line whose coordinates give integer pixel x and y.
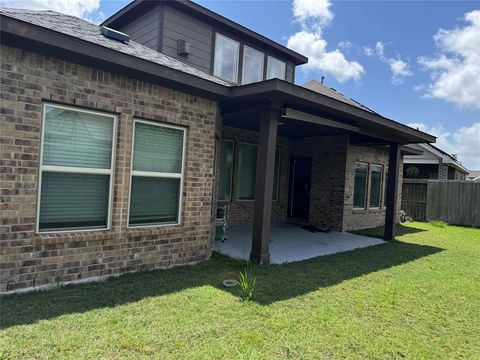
{"type": "Point", "coordinates": [23, 35]}
{"type": "Point", "coordinates": [380, 129]}
{"type": "Point", "coordinates": [137, 7]}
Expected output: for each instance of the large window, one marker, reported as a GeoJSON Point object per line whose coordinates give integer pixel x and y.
{"type": "Point", "coordinates": [76, 169]}
{"type": "Point", "coordinates": [275, 68]}
{"type": "Point", "coordinates": [375, 186]}
{"type": "Point", "coordinates": [360, 186]}
{"type": "Point", "coordinates": [156, 176]}
{"type": "Point", "coordinates": [226, 169]}
{"type": "Point", "coordinates": [226, 58]}
{"type": "Point", "coordinates": [247, 166]}
{"type": "Point", "coordinates": [252, 65]}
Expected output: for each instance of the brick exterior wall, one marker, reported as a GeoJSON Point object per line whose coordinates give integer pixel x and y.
{"type": "Point", "coordinates": [241, 211]}
{"type": "Point", "coordinates": [442, 171]}
{"type": "Point", "coordinates": [366, 218]}
{"type": "Point", "coordinates": [29, 260]}
{"type": "Point", "coordinates": [329, 156]}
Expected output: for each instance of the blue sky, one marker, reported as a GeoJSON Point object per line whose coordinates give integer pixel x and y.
{"type": "Point", "coordinates": [381, 53]}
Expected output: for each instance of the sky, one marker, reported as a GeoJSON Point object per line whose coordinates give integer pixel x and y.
{"type": "Point", "coordinates": [416, 62]}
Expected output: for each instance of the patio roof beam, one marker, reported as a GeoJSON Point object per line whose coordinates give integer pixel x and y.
{"type": "Point", "coordinates": [394, 158]}
{"type": "Point", "coordinates": [314, 119]}
{"type": "Point", "coordinates": [264, 184]}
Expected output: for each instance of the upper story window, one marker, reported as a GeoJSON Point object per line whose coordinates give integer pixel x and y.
{"type": "Point", "coordinates": [252, 65]}
{"type": "Point", "coordinates": [226, 58]}
{"type": "Point", "coordinates": [275, 68]}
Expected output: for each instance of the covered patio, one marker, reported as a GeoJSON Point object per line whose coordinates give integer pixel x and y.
{"type": "Point", "coordinates": [289, 242]}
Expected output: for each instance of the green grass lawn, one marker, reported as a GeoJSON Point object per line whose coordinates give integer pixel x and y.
{"type": "Point", "coordinates": [415, 298]}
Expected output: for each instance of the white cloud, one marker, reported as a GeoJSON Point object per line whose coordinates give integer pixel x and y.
{"type": "Point", "coordinates": [87, 9]}
{"type": "Point", "coordinates": [345, 44]}
{"type": "Point", "coordinates": [465, 142]}
{"type": "Point", "coordinates": [399, 68]}
{"type": "Point", "coordinates": [455, 69]}
{"type": "Point", "coordinates": [313, 16]}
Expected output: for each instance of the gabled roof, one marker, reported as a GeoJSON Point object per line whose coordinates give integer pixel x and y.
{"type": "Point", "coordinates": [84, 30]}
{"type": "Point", "coordinates": [442, 156]}
{"type": "Point", "coordinates": [139, 6]}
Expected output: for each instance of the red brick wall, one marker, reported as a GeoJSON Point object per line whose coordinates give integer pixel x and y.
{"type": "Point", "coordinates": [28, 259]}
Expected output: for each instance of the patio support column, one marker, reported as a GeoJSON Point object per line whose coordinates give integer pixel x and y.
{"type": "Point", "coordinates": [392, 191]}
{"type": "Point", "coordinates": [264, 185]}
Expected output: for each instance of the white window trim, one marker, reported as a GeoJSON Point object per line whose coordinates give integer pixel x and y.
{"type": "Point", "coordinates": [379, 190]}
{"type": "Point", "coordinates": [261, 67]}
{"type": "Point", "coordinates": [76, 170]}
{"type": "Point", "coordinates": [231, 171]}
{"type": "Point", "coordinates": [365, 198]}
{"type": "Point", "coordinates": [284, 72]}
{"type": "Point", "coordinates": [158, 175]}
{"type": "Point", "coordinates": [234, 81]}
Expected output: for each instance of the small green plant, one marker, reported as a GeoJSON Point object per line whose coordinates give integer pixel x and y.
{"type": "Point", "coordinates": [247, 283]}
{"type": "Point", "coordinates": [438, 223]}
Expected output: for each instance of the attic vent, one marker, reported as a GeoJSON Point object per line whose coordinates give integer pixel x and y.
{"type": "Point", "coordinates": [114, 34]}
{"type": "Point", "coordinates": [183, 48]}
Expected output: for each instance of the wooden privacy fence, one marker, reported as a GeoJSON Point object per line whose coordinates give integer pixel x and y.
{"type": "Point", "coordinates": [455, 202]}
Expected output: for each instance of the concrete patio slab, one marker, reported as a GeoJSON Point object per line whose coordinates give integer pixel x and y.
{"type": "Point", "coordinates": [290, 243]}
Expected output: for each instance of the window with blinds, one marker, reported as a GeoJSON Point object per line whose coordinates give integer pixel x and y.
{"type": "Point", "coordinates": [247, 166]}
{"type": "Point", "coordinates": [226, 170]}
{"type": "Point", "coordinates": [156, 176]}
{"type": "Point", "coordinates": [360, 186]}
{"type": "Point", "coordinates": [375, 186]}
{"type": "Point", "coordinates": [76, 169]}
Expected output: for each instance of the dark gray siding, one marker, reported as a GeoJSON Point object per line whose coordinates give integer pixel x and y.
{"type": "Point", "coordinates": [290, 72]}
{"type": "Point", "coordinates": [145, 28]}
{"type": "Point", "coordinates": [178, 25]}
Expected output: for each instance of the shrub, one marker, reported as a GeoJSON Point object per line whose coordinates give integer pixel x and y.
{"type": "Point", "coordinates": [247, 283]}
{"type": "Point", "coordinates": [438, 223]}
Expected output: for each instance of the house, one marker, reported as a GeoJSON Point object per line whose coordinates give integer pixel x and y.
{"type": "Point", "coordinates": [119, 140]}
{"type": "Point", "coordinates": [433, 163]}
{"type": "Point", "coordinates": [474, 176]}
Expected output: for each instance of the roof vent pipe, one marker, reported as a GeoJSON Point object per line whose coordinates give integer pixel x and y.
{"type": "Point", "coordinates": [114, 34]}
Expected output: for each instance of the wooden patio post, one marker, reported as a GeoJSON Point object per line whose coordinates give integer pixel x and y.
{"type": "Point", "coordinates": [392, 191]}
{"type": "Point", "coordinates": [264, 185]}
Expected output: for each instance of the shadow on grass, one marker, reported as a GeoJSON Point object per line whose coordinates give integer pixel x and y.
{"type": "Point", "coordinates": [275, 282]}
{"type": "Point", "coordinates": [378, 231]}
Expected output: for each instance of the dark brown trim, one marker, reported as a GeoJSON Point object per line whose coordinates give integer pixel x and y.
{"type": "Point", "coordinates": [394, 158]}
{"type": "Point", "coordinates": [262, 217]}
{"type": "Point", "coordinates": [212, 18]}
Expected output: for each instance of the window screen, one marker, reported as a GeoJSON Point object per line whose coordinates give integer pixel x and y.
{"type": "Point", "coordinates": [76, 169]}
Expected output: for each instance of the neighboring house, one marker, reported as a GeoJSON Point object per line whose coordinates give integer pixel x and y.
{"type": "Point", "coordinates": [434, 163]}
{"type": "Point", "coordinates": [115, 152]}
{"type": "Point", "coordinates": [474, 176]}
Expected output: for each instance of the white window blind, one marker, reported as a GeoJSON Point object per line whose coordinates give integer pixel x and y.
{"type": "Point", "coordinates": [76, 169]}
{"type": "Point", "coordinates": [156, 176]}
